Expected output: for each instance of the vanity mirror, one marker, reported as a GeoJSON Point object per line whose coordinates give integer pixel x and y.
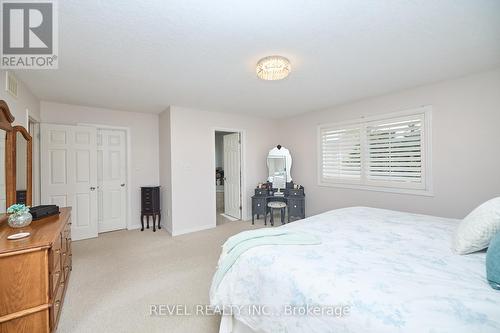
{"type": "Point", "coordinates": [279, 163]}
{"type": "Point", "coordinates": [15, 162]}
{"type": "Point", "coordinates": [22, 162]}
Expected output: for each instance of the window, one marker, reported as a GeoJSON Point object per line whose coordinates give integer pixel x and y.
{"type": "Point", "coordinates": [387, 153]}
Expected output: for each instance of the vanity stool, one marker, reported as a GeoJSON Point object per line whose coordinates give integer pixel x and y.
{"type": "Point", "coordinates": [150, 205]}
{"type": "Point", "coordinates": [277, 205]}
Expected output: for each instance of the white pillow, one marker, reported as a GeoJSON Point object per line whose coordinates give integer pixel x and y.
{"type": "Point", "coordinates": [476, 231]}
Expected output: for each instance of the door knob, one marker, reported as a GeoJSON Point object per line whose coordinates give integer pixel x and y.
{"type": "Point", "coordinates": [122, 185]}
{"type": "Point", "coordinates": [92, 188]}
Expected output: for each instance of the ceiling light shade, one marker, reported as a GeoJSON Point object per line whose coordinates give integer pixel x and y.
{"type": "Point", "coordinates": [273, 68]}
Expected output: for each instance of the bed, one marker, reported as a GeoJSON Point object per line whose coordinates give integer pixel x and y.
{"type": "Point", "coordinates": [392, 271]}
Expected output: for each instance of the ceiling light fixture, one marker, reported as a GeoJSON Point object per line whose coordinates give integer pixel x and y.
{"type": "Point", "coordinates": [273, 68]}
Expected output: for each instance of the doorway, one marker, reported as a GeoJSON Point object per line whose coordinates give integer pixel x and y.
{"type": "Point", "coordinates": [228, 182]}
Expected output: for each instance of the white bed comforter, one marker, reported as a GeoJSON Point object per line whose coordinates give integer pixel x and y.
{"type": "Point", "coordinates": [394, 270]}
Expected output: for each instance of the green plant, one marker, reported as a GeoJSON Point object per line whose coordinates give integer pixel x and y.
{"type": "Point", "coordinates": [18, 209]}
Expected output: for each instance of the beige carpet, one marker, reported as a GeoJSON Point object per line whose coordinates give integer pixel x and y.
{"type": "Point", "coordinates": [117, 276]}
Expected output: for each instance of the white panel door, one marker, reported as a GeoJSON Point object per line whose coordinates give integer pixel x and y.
{"type": "Point", "coordinates": [69, 174]}
{"type": "Point", "coordinates": [232, 170]}
{"type": "Point", "coordinates": [111, 178]}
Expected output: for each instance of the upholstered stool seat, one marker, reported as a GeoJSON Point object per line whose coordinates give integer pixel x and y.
{"type": "Point", "coordinates": [277, 205]}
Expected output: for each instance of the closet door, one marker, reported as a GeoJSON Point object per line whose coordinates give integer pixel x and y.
{"type": "Point", "coordinates": [69, 174]}
{"type": "Point", "coordinates": [111, 178]}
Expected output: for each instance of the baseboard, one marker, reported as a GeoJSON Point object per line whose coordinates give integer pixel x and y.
{"type": "Point", "coordinates": [138, 226]}
{"type": "Point", "coordinates": [189, 230]}
{"type": "Point", "coordinates": [134, 227]}
{"type": "Point", "coordinates": [167, 229]}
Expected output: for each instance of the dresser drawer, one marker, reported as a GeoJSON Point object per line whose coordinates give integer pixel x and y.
{"type": "Point", "coordinates": [56, 306]}
{"type": "Point", "coordinates": [55, 255]}
{"type": "Point", "coordinates": [34, 322]}
{"type": "Point", "coordinates": [55, 279]}
{"type": "Point", "coordinates": [296, 207]}
{"type": "Point", "coordinates": [23, 281]}
{"type": "Point", "coordinates": [64, 259]}
{"type": "Point", "coordinates": [259, 206]}
{"type": "Point", "coordinates": [67, 269]}
{"type": "Point", "coordinates": [296, 192]}
{"type": "Point", "coordinates": [261, 192]}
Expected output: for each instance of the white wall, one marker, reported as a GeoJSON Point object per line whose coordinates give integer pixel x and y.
{"type": "Point", "coordinates": [466, 154]}
{"type": "Point", "coordinates": [165, 168]}
{"type": "Point", "coordinates": [25, 100]}
{"type": "Point", "coordinates": [193, 162]}
{"type": "Point", "coordinates": [143, 137]}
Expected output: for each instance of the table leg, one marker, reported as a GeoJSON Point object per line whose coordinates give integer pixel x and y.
{"type": "Point", "coordinates": [147, 221]}
{"type": "Point", "coordinates": [142, 222]}
{"type": "Point", "coordinates": [272, 217]}
{"type": "Point", "coordinates": [159, 220]}
{"type": "Point", "coordinates": [154, 222]}
{"type": "Point", "coordinates": [282, 215]}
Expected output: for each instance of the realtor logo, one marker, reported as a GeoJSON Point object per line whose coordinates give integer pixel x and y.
{"type": "Point", "coordinates": [29, 34]}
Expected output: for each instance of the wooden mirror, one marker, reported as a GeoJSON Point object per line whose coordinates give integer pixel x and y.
{"type": "Point", "coordinates": [6, 120]}
{"type": "Point", "coordinates": [19, 190]}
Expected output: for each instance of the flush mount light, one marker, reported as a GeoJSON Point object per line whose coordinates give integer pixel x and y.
{"type": "Point", "coordinates": [273, 68]}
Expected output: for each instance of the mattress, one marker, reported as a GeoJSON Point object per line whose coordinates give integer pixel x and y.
{"type": "Point", "coordinates": [375, 271]}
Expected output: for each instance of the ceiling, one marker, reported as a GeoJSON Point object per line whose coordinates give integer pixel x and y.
{"type": "Point", "coordinates": [145, 55]}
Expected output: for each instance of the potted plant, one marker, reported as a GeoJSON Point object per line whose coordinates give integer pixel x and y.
{"type": "Point", "coordinates": [20, 216]}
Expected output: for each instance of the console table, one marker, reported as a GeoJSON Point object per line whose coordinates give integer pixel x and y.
{"type": "Point", "coordinates": [294, 199]}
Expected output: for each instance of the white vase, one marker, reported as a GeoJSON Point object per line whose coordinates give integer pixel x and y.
{"type": "Point", "coordinates": [20, 220]}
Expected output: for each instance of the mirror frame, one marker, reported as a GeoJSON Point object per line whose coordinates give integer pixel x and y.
{"type": "Point", "coordinates": [11, 167]}
{"type": "Point", "coordinates": [281, 152]}
{"type": "Point", "coordinates": [6, 120]}
{"type": "Point", "coordinates": [6, 117]}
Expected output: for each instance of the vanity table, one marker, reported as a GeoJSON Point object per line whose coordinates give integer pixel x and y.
{"type": "Point", "coordinates": [279, 188]}
{"type": "Point", "coordinates": [295, 200]}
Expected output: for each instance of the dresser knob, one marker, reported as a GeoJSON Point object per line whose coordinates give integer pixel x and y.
{"type": "Point", "coordinates": [258, 205]}
{"type": "Point", "coordinates": [294, 206]}
{"type": "Point", "coordinates": [57, 303]}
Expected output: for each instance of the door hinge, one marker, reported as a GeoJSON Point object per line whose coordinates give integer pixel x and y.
{"type": "Point", "coordinates": [240, 207]}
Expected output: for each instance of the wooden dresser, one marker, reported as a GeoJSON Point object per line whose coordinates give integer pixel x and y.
{"type": "Point", "coordinates": [34, 274]}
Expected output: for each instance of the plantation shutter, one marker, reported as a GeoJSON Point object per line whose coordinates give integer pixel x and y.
{"type": "Point", "coordinates": [394, 151]}
{"type": "Point", "coordinates": [340, 156]}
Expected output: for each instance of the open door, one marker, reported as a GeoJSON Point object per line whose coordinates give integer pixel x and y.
{"type": "Point", "coordinates": [69, 174]}
{"type": "Point", "coordinates": [232, 175]}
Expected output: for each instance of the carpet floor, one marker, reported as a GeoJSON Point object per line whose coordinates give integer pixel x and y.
{"type": "Point", "coordinates": [119, 275]}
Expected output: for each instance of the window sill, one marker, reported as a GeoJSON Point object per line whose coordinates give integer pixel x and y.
{"type": "Point", "coordinates": [396, 190]}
